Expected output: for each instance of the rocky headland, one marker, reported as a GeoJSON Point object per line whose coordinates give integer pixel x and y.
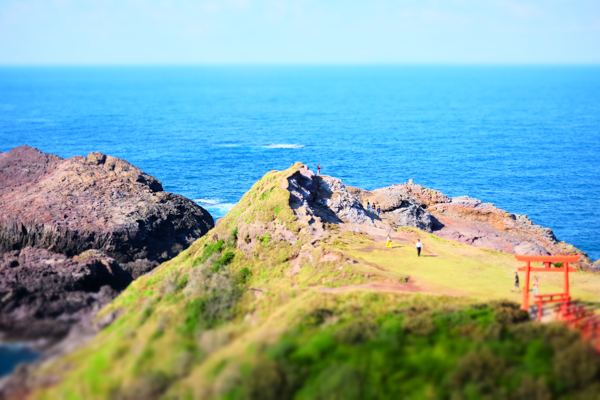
{"type": "Point", "coordinates": [298, 272]}
{"type": "Point", "coordinates": [296, 286]}
{"type": "Point", "coordinates": [75, 232]}
{"type": "Point", "coordinates": [467, 220]}
{"type": "Point", "coordinates": [462, 219]}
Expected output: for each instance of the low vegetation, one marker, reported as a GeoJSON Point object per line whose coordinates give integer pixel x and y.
{"type": "Point", "coordinates": [245, 313]}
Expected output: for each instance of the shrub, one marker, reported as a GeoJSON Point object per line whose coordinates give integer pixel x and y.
{"type": "Point", "coordinates": [265, 239]}
{"type": "Point", "coordinates": [223, 261]}
{"type": "Point", "coordinates": [149, 385]}
{"type": "Point", "coordinates": [577, 365]}
{"type": "Point", "coordinates": [264, 381]}
{"type": "Point", "coordinates": [481, 369]}
{"type": "Point", "coordinates": [210, 249]}
{"type": "Point", "coordinates": [507, 312]}
{"type": "Point", "coordinates": [420, 325]}
{"type": "Point", "coordinates": [316, 317]}
{"type": "Point", "coordinates": [355, 332]}
{"type": "Point", "coordinates": [244, 275]}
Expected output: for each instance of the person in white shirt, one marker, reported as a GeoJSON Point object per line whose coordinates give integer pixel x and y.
{"type": "Point", "coordinates": [419, 246]}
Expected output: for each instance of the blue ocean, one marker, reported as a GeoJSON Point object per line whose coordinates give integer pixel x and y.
{"type": "Point", "coordinates": [526, 138]}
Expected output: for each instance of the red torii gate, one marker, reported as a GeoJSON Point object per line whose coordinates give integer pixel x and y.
{"type": "Point", "coordinates": [547, 260]}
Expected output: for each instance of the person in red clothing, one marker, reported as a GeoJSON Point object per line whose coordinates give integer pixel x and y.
{"type": "Point", "coordinates": [318, 169]}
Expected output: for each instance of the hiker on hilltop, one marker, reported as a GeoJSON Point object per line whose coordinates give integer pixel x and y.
{"type": "Point", "coordinates": [368, 206]}
{"type": "Point", "coordinates": [419, 247]}
{"type": "Point", "coordinates": [378, 210]}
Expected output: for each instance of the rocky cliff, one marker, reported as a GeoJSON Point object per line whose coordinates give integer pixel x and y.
{"type": "Point", "coordinates": [462, 219]}
{"type": "Point", "coordinates": [71, 206]}
{"type": "Point", "coordinates": [42, 294]}
{"type": "Point", "coordinates": [466, 220]}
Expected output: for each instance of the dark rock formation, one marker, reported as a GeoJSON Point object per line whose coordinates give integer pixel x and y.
{"type": "Point", "coordinates": [97, 202]}
{"type": "Point", "coordinates": [70, 207]}
{"type": "Point", "coordinates": [43, 293]}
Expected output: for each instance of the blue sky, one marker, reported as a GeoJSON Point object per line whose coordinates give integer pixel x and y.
{"type": "Point", "coordinates": [299, 32]}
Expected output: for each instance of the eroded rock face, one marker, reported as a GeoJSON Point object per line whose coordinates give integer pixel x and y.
{"type": "Point", "coordinates": [96, 202]}
{"type": "Point", "coordinates": [473, 222]}
{"type": "Point", "coordinates": [54, 211]}
{"type": "Point", "coordinates": [43, 293]}
{"type": "Point", "coordinates": [464, 219]}
{"type": "Point", "coordinates": [327, 198]}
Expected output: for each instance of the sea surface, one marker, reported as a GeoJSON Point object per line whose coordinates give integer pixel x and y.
{"type": "Point", "coordinates": [526, 138]}
{"type": "Point", "coordinates": [12, 354]}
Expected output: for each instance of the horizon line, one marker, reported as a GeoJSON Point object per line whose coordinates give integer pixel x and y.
{"type": "Point", "coordinates": [284, 64]}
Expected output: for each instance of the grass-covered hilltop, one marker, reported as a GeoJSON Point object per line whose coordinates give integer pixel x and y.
{"type": "Point", "coordinates": [294, 294]}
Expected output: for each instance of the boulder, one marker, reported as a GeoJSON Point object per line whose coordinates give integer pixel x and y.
{"type": "Point", "coordinates": [409, 214]}
{"type": "Point", "coordinates": [530, 249]}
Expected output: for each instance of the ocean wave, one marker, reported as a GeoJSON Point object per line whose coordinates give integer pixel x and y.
{"type": "Point", "coordinates": [208, 201]}
{"type": "Point", "coordinates": [284, 146]}
{"type": "Point", "coordinates": [215, 207]}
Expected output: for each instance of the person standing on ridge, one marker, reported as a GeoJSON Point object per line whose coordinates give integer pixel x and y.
{"type": "Point", "coordinates": [516, 281]}
{"type": "Point", "coordinates": [378, 210]}
{"type": "Point", "coordinates": [419, 247]}
{"type": "Point", "coordinates": [318, 169]}
{"type": "Point", "coordinates": [536, 285]}
{"type": "Point", "coordinates": [368, 206]}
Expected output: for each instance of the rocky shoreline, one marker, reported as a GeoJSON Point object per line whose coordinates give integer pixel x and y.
{"type": "Point", "coordinates": [75, 232]}
{"type": "Point", "coordinates": [462, 219]}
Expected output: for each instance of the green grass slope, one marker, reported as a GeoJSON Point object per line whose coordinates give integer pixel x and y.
{"type": "Point", "coordinates": [259, 309]}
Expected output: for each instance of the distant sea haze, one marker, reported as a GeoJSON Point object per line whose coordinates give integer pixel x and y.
{"type": "Point", "coordinates": [524, 138]}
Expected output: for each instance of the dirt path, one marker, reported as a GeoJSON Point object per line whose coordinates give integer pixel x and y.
{"type": "Point", "coordinates": [406, 287]}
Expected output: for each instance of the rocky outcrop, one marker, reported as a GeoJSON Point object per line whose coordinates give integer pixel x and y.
{"type": "Point", "coordinates": [43, 293]}
{"type": "Point", "coordinates": [400, 206]}
{"type": "Point", "coordinates": [326, 198]}
{"type": "Point", "coordinates": [462, 219]}
{"type": "Point", "coordinates": [96, 202]}
{"type": "Point", "coordinates": [471, 221]}
{"type": "Point", "coordinates": [74, 232]}
{"type": "Point", "coordinates": [466, 220]}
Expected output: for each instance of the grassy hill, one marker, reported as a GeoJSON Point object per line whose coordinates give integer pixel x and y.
{"type": "Point", "coordinates": [259, 308]}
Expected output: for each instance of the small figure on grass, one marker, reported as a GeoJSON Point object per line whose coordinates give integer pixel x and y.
{"type": "Point", "coordinates": [389, 242]}
{"type": "Point", "coordinates": [419, 247]}
{"type": "Point", "coordinates": [516, 282]}
{"type": "Point", "coordinates": [536, 285]}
